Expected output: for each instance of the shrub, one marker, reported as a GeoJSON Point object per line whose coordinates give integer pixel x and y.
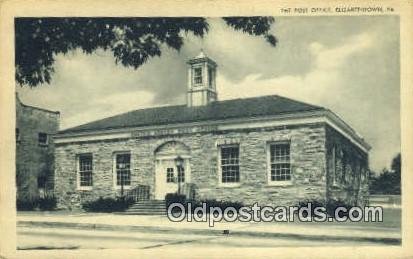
{"type": "Point", "coordinates": [333, 204]}
{"type": "Point", "coordinates": [107, 204]}
{"type": "Point", "coordinates": [47, 203]}
{"type": "Point", "coordinates": [314, 203]}
{"type": "Point", "coordinates": [330, 206]}
{"type": "Point", "coordinates": [174, 198]}
{"type": "Point", "coordinates": [26, 205]}
{"type": "Point", "coordinates": [180, 198]}
{"type": "Point", "coordinates": [218, 204]}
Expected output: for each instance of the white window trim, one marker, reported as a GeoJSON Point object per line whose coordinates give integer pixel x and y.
{"type": "Point", "coordinates": [220, 183]}
{"type": "Point", "coordinates": [114, 173]}
{"type": "Point", "coordinates": [194, 83]}
{"type": "Point", "coordinates": [79, 187]}
{"type": "Point", "coordinates": [269, 181]}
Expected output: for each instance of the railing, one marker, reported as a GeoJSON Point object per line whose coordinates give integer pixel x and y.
{"type": "Point", "coordinates": [189, 190]}
{"type": "Point", "coordinates": [138, 193]}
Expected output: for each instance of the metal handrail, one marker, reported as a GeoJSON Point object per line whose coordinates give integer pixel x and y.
{"type": "Point", "coordinates": [138, 193]}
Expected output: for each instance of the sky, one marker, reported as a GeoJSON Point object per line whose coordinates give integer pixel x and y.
{"type": "Point", "coordinates": [349, 65]}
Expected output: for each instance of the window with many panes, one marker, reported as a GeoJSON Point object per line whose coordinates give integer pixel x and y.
{"type": "Point", "coordinates": [230, 164]}
{"type": "Point", "coordinates": [334, 165]}
{"type": "Point", "coordinates": [181, 174]}
{"type": "Point", "coordinates": [85, 170]}
{"type": "Point", "coordinates": [280, 166]}
{"type": "Point", "coordinates": [198, 75]}
{"type": "Point", "coordinates": [170, 175]}
{"type": "Point", "coordinates": [42, 139]}
{"type": "Point", "coordinates": [123, 169]}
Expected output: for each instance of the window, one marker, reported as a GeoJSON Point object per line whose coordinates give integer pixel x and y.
{"type": "Point", "coordinates": [198, 75]}
{"type": "Point", "coordinates": [43, 140]}
{"type": "Point", "coordinates": [17, 135]}
{"type": "Point", "coordinates": [230, 164]}
{"type": "Point", "coordinates": [85, 170]}
{"type": "Point", "coordinates": [181, 174]}
{"type": "Point", "coordinates": [210, 77]}
{"type": "Point", "coordinates": [280, 167]}
{"type": "Point", "coordinates": [170, 175]}
{"type": "Point", "coordinates": [344, 168]}
{"type": "Point", "coordinates": [123, 169]}
{"type": "Point", "coordinates": [334, 166]}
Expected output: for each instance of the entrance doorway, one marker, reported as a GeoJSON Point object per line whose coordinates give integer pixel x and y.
{"type": "Point", "coordinates": [172, 170]}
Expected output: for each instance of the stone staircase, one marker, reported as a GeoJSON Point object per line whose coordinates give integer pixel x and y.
{"type": "Point", "coordinates": [147, 207]}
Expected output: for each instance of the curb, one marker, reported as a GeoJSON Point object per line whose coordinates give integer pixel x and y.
{"type": "Point", "coordinates": [211, 232]}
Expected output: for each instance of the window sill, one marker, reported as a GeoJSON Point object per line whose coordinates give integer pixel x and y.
{"type": "Point", "coordinates": [280, 183]}
{"type": "Point", "coordinates": [85, 188]}
{"type": "Point", "coordinates": [125, 187]}
{"type": "Point", "coordinates": [230, 185]}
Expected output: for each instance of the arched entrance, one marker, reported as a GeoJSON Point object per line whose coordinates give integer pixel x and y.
{"type": "Point", "coordinates": [172, 169]}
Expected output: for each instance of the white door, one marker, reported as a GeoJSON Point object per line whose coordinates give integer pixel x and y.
{"type": "Point", "coordinates": [169, 178]}
{"type": "Point", "coordinates": [166, 178]}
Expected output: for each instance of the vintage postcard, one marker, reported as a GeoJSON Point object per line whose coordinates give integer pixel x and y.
{"type": "Point", "coordinates": [206, 129]}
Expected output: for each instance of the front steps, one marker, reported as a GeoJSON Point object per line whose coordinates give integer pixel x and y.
{"type": "Point", "coordinates": [149, 207]}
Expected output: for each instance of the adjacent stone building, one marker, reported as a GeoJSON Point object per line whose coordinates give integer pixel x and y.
{"type": "Point", "coordinates": [271, 150]}
{"type": "Point", "coordinates": [34, 150]}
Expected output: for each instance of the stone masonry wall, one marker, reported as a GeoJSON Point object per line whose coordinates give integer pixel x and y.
{"type": "Point", "coordinates": [34, 160]}
{"type": "Point", "coordinates": [307, 158]}
{"type": "Point", "coordinates": [347, 167]}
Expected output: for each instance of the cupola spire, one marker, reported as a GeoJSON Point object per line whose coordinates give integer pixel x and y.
{"type": "Point", "coordinates": [201, 80]}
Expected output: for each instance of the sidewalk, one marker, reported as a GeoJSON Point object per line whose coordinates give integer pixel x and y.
{"type": "Point", "coordinates": [103, 221]}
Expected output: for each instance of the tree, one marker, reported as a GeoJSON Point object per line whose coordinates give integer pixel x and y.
{"type": "Point", "coordinates": [132, 41]}
{"type": "Point", "coordinates": [396, 165]}
{"type": "Point", "coordinates": [388, 182]}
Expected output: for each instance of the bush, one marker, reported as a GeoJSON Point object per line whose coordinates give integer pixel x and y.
{"type": "Point", "coordinates": [26, 205]}
{"type": "Point", "coordinates": [107, 204]}
{"type": "Point", "coordinates": [330, 206]}
{"type": "Point", "coordinates": [180, 198]}
{"type": "Point", "coordinates": [218, 204]}
{"type": "Point", "coordinates": [175, 198]}
{"type": "Point", "coordinates": [47, 203]}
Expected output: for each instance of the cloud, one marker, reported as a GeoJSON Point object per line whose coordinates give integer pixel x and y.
{"type": "Point", "coordinates": [110, 105]}
{"type": "Point", "coordinates": [332, 58]}
{"type": "Point", "coordinates": [314, 86]}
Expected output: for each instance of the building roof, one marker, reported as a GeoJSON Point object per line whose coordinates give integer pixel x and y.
{"type": "Point", "coordinates": [33, 107]}
{"type": "Point", "coordinates": [219, 110]}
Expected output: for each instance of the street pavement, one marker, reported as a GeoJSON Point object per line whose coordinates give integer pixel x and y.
{"type": "Point", "coordinates": [48, 238]}
{"type": "Point", "coordinates": [105, 230]}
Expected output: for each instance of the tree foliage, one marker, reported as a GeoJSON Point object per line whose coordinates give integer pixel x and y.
{"type": "Point", "coordinates": [388, 182]}
{"type": "Point", "coordinates": [132, 41]}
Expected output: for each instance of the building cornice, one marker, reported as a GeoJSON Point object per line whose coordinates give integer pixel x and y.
{"type": "Point", "coordinates": [302, 118]}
